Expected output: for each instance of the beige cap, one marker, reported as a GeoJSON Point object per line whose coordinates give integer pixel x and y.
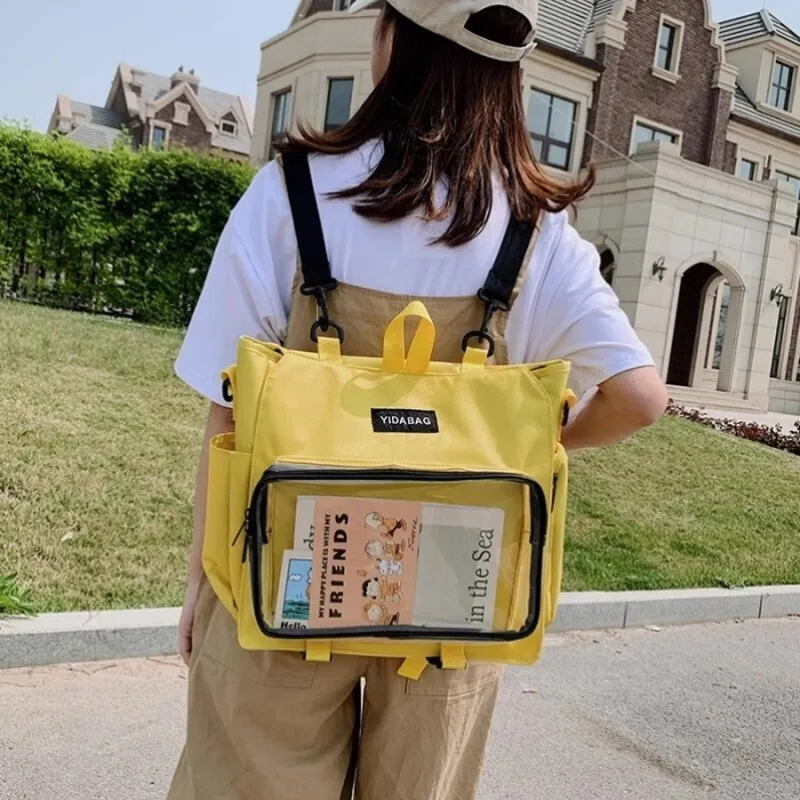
{"type": "Point", "coordinates": [449, 18]}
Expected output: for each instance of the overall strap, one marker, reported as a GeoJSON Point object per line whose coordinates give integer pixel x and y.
{"type": "Point", "coordinates": [317, 277]}
{"type": "Point", "coordinates": [498, 291]}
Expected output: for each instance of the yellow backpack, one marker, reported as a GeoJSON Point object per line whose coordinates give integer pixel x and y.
{"type": "Point", "coordinates": [388, 506]}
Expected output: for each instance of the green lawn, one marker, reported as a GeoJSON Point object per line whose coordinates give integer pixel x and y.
{"type": "Point", "coordinates": [98, 446]}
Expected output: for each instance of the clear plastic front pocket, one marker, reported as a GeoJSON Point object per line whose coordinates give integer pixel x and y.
{"type": "Point", "coordinates": [388, 552]}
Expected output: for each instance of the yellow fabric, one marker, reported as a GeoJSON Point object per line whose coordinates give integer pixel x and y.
{"type": "Point", "coordinates": [312, 409]}
{"type": "Point", "coordinates": [453, 656]}
{"type": "Point", "coordinates": [330, 349]}
{"type": "Point", "coordinates": [474, 357]}
{"type": "Point", "coordinates": [421, 350]}
{"type": "Point", "coordinates": [318, 650]}
{"type": "Point", "coordinates": [412, 668]}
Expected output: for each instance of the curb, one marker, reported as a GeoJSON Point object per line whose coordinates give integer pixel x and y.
{"type": "Point", "coordinates": [145, 633]}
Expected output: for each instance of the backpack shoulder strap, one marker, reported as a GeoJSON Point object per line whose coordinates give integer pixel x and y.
{"type": "Point", "coordinates": [498, 290]}
{"type": "Point", "coordinates": [317, 277]}
{"type": "Point", "coordinates": [307, 224]}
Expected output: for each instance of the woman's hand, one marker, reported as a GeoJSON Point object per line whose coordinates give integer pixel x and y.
{"type": "Point", "coordinates": [186, 624]}
{"type": "Point", "coordinates": [622, 406]}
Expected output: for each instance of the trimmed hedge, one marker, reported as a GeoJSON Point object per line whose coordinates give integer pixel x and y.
{"type": "Point", "coordinates": [120, 232]}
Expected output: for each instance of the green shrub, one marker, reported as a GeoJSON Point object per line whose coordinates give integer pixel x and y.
{"type": "Point", "coordinates": [118, 231]}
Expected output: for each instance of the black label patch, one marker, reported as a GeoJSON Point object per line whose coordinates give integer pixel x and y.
{"type": "Point", "coordinates": [404, 420]}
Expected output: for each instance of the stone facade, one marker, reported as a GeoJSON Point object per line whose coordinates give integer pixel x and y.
{"type": "Point", "coordinates": [700, 258]}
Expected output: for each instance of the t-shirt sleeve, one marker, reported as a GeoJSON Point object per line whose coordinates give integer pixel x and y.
{"type": "Point", "coordinates": [248, 288]}
{"type": "Point", "coordinates": [582, 321]}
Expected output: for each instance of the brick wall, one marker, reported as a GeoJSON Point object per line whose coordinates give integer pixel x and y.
{"type": "Point", "coordinates": [627, 87]}
{"type": "Point", "coordinates": [730, 158]}
{"type": "Point", "coordinates": [194, 135]}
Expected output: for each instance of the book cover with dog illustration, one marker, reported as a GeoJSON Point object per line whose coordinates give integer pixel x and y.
{"type": "Point", "coordinates": [364, 562]}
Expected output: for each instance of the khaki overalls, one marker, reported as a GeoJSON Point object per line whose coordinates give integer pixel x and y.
{"type": "Point", "coordinates": [272, 726]}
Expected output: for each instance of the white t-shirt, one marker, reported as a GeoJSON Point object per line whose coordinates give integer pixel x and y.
{"type": "Point", "coordinates": [565, 309]}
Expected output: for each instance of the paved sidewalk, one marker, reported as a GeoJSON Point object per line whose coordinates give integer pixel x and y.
{"type": "Point", "coordinates": [678, 714]}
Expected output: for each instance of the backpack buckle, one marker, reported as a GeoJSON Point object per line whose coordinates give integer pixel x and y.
{"type": "Point", "coordinates": [324, 323]}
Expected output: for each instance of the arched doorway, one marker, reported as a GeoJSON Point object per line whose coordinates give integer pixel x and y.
{"type": "Point", "coordinates": [608, 266]}
{"type": "Point", "coordinates": [704, 333]}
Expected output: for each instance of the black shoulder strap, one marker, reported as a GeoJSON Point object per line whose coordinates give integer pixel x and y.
{"type": "Point", "coordinates": [499, 287]}
{"type": "Point", "coordinates": [307, 223]}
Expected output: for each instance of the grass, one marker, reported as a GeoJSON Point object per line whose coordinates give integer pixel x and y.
{"type": "Point", "coordinates": [98, 448]}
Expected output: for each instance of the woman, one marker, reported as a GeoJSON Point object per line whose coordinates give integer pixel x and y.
{"type": "Point", "coordinates": [415, 196]}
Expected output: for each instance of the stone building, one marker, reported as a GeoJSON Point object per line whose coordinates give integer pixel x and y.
{"type": "Point", "coordinates": [159, 112]}
{"type": "Point", "coordinates": [694, 126]}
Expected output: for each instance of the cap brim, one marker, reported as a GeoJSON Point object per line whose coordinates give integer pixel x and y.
{"type": "Point", "coordinates": [360, 5]}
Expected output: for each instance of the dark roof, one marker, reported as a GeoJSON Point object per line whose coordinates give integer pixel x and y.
{"type": "Point", "coordinates": [97, 137]}
{"type": "Point", "coordinates": [565, 25]}
{"type": "Point", "coordinates": [746, 110]}
{"type": "Point", "coordinates": [85, 112]}
{"type": "Point", "coordinates": [755, 26]}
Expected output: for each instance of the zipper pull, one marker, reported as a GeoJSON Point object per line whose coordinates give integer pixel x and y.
{"type": "Point", "coordinates": [243, 528]}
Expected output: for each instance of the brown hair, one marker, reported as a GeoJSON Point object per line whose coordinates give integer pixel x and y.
{"type": "Point", "coordinates": [445, 112]}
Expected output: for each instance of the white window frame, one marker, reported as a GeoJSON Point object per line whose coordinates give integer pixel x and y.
{"type": "Point", "coordinates": [671, 75]}
{"type": "Point", "coordinates": [164, 126]}
{"type": "Point", "coordinates": [338, 76]}
{"type": "Point", "coordinates": [789, 62]}
{"type": "Point", "coordinates": [234, 132]}
{"type": "Point", "coordinates": [287, 90]}
{"type": "Point", "coordinates": [637, 120]}
{"type": "Point", "coordinates": [743, 155]}
{"type": "Point", "coordinates": [573, 144]}
{"type": "Point", "coordinates": [181, 113]}
{"type": "Point", "coordinates": [342, 5]}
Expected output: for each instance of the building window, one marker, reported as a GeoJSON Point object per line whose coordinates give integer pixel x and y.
{"type": "Point", "coordinates": [777, 350]}
{"type": "Point", "coordinates": [340, 98]}
{"type": "Point", "coordinates": [551, 122]}
{"type": "Point", "coordinates": [342, 5]}
{"type": "Point", "coordinates": [182, 113]}
{"type": "Point", "coordinates": [667, 47]}
{"type": "Point", "coordinates": [748, 170]}
{"type": "Point", "coordinates": [281, 119]}
{"type": "Point", "coordinates": [226, 126]}
{"type": "Point", "coordinates": [782, 83]}
{"type": "Point", "coordinates": [158, 138]}
{"type": "Point", "coordinates": [795, 182]}
{"type": "Point", "coordinates": [643, 132]}
{"type": "Point", "coordinates": [719, 323]}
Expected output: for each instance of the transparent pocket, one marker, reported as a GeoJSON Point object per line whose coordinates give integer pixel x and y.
{"type": "Point", "coordinates": [387, 552]}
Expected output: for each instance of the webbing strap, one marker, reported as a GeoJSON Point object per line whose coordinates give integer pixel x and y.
{"type": "Point", "coordinates": [413, 667]}
{"type": "Point", "coordinates": [317, 650]}
{"type": "Point", "coordinates": [307, 223]}
{"type": "Point", "coordinates": [499, 286]}
{"type": "Point", "coordinates": [453, 656]}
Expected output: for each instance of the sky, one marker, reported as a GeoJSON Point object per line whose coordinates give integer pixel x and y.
{"type": "Point", "coordinates": [52, 47]}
